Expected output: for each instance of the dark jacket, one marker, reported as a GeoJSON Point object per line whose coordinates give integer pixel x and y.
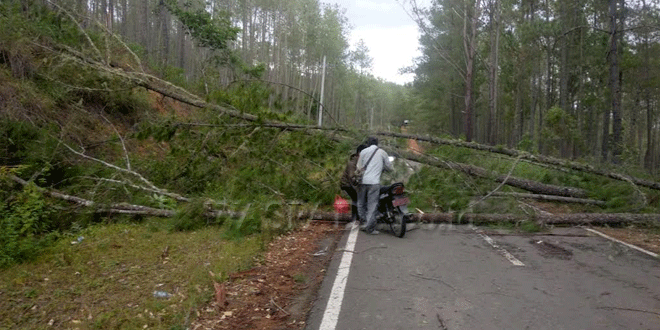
{"type": "Point", "coordinates": [350, 169]}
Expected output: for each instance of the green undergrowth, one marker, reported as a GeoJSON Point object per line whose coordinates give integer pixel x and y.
{"type": "Point", "coordinates": [94, 136]}
{"type": "Point", "coordinates": [104, 277]}
{"type": "Point", "coordinates": [444, 190]}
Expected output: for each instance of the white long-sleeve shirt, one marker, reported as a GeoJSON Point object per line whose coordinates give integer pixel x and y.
{"type": "Point", "coordinates": [380, 162]}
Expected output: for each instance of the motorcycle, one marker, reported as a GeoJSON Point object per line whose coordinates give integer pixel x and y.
{"type": "Point", "coordinates": [393, 208]}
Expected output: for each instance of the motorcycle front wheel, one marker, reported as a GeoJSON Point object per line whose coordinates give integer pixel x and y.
{"type": "Point", "coordinates": [398, 223]}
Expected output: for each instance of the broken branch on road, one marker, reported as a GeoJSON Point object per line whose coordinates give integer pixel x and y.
{"type": "Point", "coordinates": [432, 279]}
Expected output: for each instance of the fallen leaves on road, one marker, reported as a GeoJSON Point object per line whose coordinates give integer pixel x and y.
{"type": "Point", "coordinates": [278, 293]}
{"type": "Point", "coordinates": [641, 237]}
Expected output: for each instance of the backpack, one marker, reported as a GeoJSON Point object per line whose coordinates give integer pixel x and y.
{"type": "Point", "coordinates": [356, 178]}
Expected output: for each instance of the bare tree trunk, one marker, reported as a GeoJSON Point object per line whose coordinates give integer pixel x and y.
{"type": "Point", "coordinates": [470, 45]}
{"type": "Point", "coordinates": [494, 65]}
{"type": "Point", "coordinates": [615, 80]}
{"type": "Point", "coordinates": [124, 18]}
{"type": "Point", "coordinates": [542, 218]}
{"type": "Point", "coordinates": [165, 35]}
{"type": "Point", "coordinates": [549, 85]}
{"type": "Point", "coordinates": [111, 14]}
{"type": "Point", "coordinates": [573, 219]}
{"type": "Point", "coordinates": [650, 146]}
{"type": "Point", "coordinates": [122, 208]}
{"type": "Point", "coordinates": [182, 46]}
{"type": "Point", "coordinates": [605, 147]}
{"type": "Point", "coordinates": [244, 30]}
{"type": "Point", "coordinates": [535, 84]}
{"type": "Point", "coordinates": [145, 34]}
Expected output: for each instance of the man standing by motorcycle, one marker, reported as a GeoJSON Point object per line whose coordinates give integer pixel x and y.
{"type": "Point", "coordinates": [376, 161]}
{"type": "Point", "coordinates": [347, 185]}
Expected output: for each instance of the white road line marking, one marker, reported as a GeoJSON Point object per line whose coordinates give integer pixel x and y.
{"type": "Point", "coordinates": [495, 246]}
{"type": "Point", "coordinates": [504, 252]}
{"type": "Point", "coordinates": [332, 309]}
{"type": "Point", "coordinates": [655, 255]}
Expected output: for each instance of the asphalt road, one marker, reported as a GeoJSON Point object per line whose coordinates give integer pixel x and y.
{"type": "Point", "coordinates": [462, 278]}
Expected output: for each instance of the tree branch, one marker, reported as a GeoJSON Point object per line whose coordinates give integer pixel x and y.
{"type": "Point", "coordinates": [527, 156]}
{"type": "Point", "coordinates": [122, 208]}
{"type": "Point", "coordinates": [73, 19]}
{"type": "Point", "coordinates": [123, 145]}
{"type": "Point", "coordinates": [551, 198]}
{"type": "Point", "coordinates": [496, 188]}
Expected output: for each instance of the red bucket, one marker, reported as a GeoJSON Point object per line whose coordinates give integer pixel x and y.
{"type": "Point", "coordinates": [342, 205]}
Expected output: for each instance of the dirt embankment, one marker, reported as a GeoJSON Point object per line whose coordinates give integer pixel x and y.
{"type": "Point", "coordinates": [278, 293]}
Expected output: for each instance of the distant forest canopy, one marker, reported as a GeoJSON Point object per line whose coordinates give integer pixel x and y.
{"type": "Point", "coordinates": [575, 79]}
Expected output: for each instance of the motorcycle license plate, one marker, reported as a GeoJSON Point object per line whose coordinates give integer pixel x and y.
{"type": "Point", "coordinates": [400, 201]}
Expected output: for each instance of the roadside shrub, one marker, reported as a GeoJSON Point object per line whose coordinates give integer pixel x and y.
{"type": "Point", "coordinates": [438, 190]}
{"type": "Point", "coordinates": [189, 217]}
{"type": "Point", "coordinates": [25, 226]}
{"type": "Point", "coordinates": [16, 141]}
{"type": "Point", "coordinates": [246, 225]}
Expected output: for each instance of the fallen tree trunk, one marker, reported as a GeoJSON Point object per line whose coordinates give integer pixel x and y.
{"type": "Point", "coordinates": [471, 218]}
{"type": "Point", "coordinates": [177, 93]}
{"type": "Point", "coordinates": [598, 219]}
{"type": "Point", "coordinates": [546, 219]}
{"type": "Point", "coordinates": [527, 156]}
{"type": "Point", "coordinates": [122, 208]}
{"type": "Point", "coordinates": [527, 185]}
{"type": "Point", "coordinates": [573, 219]}
{"type": "Point", "coordinates": [549, 198]}
{"type": "Point", "coordinates": [484, 218]}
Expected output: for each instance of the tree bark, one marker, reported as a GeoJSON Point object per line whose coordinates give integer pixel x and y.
{"type": "Point", "coordinates": [121, 208]}
{"type": "Point", "coordinates": [124, 18]}
{"type": "Point", "coordinates": [573, 219]}
{"type": "Point", "coordinates": [144, 25]}
{"type": "Point", "coordinates": [182, 46]}
{"type": "Point", "coordinates": [177, 93]}
{"type": "Point", "coordinates": [111, 15]}
{"type": "Point", "coordinates": [491, 128]}
{"type": "Point", "coordinates": [474, 218]}
{"type": "Point", "coordinates": [547, 219]}
{"type": "Point", "coordinates": [615, 80]}
{"type": "Point", "coordinates": [165, 36]}
{"type": "Point", "coordinates": [470, 45]}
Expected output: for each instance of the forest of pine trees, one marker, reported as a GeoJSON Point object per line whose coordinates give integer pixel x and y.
{"type": "Point", "coordinates": [288, 38]}
{"type": "Point", "coordinates": [574, 79]}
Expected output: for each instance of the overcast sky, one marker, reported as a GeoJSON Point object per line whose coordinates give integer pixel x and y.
{"type": "Point", "coordinates": [389, 33]}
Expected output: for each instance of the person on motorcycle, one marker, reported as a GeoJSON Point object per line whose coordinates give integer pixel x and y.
{"type": "Point", "coordinates": [369, 190]}
{"type": "Point", "coordinates": [346, 183]}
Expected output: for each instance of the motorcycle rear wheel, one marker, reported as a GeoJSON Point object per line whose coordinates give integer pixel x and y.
{"type": "Point", "coordinates": [398, 223]}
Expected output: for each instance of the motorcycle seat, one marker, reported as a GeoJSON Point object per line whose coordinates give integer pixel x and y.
{"type": "Point", "coordinates": [385, 189]}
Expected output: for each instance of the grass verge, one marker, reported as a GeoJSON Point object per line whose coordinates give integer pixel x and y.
{"type": "Point", "coordinates": [105, 277]}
